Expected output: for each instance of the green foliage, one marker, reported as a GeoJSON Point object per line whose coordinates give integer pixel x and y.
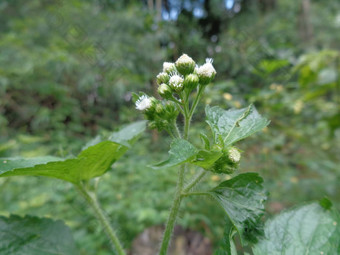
{"type": "Point", "coordinates": [243, 198]}
{"type": "Point", "coordinates": [35, 236]}
{"type": "Point", "coordinates": [307, 229]}
{"type": "Point", "coordinates": [181, 151]}
{"type": "Point", "coordinates": [234, 125]}
{"type": "Point", "coordinates": [92, 162]}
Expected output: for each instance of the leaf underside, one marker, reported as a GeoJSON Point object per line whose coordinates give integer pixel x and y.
{"type": "Point", "coordinates": [35, 236]}
{"type": "Point", "coordinates": [92, 162]}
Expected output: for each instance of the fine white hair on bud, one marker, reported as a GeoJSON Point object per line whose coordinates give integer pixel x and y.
{"type": "Point", "coordinates": [143, 103]}
{"type": "Point", "coordinates": [207, 70]}
{"type": "Point", "coordinates": [176, 82]}
{"type": "Point", "coordinates": [169, 67]}
{"type": "Point", "coordinates": [234, 155]}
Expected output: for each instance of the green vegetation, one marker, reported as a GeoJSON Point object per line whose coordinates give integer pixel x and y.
{"type": "Point", "coordinates": [68, 74]}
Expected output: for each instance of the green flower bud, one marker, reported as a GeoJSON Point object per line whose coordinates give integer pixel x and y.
{"type": "Point", "coordinates": [162, 78]}
{"type": "Point", "coordinates": [169, 67]}
{"type": "Point", "coordinates": [206, 73]}
{"type": "Point", "coordinates": [159, 108]}
{"type": "Point", "coordinates": [185, 64]}
{"type": "Point", "coordinates": [190, 82]}
{"type": "Point", "coordinates": [171, 111]}
{"type": "Point", "coordinates": [164, 91]}
{"type": "Point", "coordinates": [176, 82]}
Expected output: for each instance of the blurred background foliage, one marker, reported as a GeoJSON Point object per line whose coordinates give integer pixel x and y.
{"type": "Point", "coordinates": [67, 70]}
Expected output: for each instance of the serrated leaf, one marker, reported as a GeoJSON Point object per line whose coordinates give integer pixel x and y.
{"type": "Point", "coordinates": [91, 162]}
{"type": "Point", "coordinates": [309, 229]}
{"type": "Point", "coordinates": [242, 198]}
{"type": "Point", "coordinates": [35, 236]}
{"type": "Point", "coordinates": [180, 151]}
{"type": "Point", "coordinates": [234, 125]}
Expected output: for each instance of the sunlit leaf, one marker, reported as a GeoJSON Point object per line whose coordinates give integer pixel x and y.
{"type": "Point", "coordinates": [94, 161]}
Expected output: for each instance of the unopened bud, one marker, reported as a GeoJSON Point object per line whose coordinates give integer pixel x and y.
{"type": "Point", "coordinates": [234, 155]}
{"type": "Point", "coordinates": [162, 78]}
{"type": "Point", "coordinates": [191, 81]}
{"type": "Point", "coordinates": [169, 67]}
{"type": "Point", "coordinates": [164, 91]}
{"type": "Point", "coordinates": [185, 64]}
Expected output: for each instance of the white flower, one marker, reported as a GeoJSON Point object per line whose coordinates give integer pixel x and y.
{"type": "Point", "coordinates": [176, 82]}
{"type": "Point", "coordinates": [207, 70]}
{"type": "Point", "coordinates": [234, 155]}
{"type": "Point", "coordinates": [169, 67]}
{"type": "Point", "coordinates": [143, 103]}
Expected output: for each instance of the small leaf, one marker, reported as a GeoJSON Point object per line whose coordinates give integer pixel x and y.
{"type": "Point", "coordinates": [308, 229]}
{"type": "Point", "coordinates": [234, 125]}
{"type": "Point", "coordinates": [205, 140]}
{"type": "Point", "coordinates": [180, 151]}
{"type": "Point", "coordinates": [206, 159]}
{"type": "Point", "coordinates": [242, 198]}
{"type": "Point", "coordinates": [35, 236]}
{"type": "Point", "coordinates": [92, 162]}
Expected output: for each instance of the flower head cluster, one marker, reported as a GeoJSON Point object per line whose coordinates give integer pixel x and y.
{"type": "Point", "coordinates": [176, 80]}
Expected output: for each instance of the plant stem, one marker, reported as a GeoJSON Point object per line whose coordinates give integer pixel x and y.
{"type": "Point", "coordinates": [93, 202]}
{"type": "Point", "coordinates": [197, 99]}
{"type": "Point", "coordinates": [195, 194]}
{"type": "Point", "coordinates": [173, 213]}
{"type": "Point", "coordinates": [195, 180]}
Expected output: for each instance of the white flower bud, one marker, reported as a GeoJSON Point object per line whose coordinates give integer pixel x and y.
{"type": "Point", "coordinates": [206, 72]}
{"type": "Point", "coordinates": [176, 82]}
{"type": "Point", "coordinates": [169, 67]}
{"type": "Point", "coordinates": [143, 103]}
{"type": "Point", "coordinates": [185, 64]}
{"type": "Point", "coordinates": [234, 155]}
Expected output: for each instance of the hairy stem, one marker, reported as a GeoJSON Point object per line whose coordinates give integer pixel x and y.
{"type": "Point", "coordinates": [173, 213]}
{"type": "Point", "coordinates": [92, 200]}
{"type": "Point", "coordinates": [197, 178]}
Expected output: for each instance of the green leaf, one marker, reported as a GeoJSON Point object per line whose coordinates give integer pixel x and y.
{"type": "Point", "coordinates": [309, 229]}
{"type": "Point", "coordinates": [180, 151]}
{"type": "Point", "coordinates": [234, 125]}
{"type": "Point", "coordinates": [206, 159]}
{"type": "Point", "coordinates": [227, 246]}
{"type": "Point", "coordinates": [35, 236]}
{"type": "Point", "coordinates": [242, 198]}
{"type": "Point", "coordinates": [94, 161]}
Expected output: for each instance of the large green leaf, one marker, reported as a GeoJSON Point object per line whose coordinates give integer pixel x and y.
{"type": "Point", "coordinates": [234, 125]}
{"type": "Point", "coordinates": [310, 229]}
{"type": "Point", "coordinates": [35, 236]}
{"type": "Point", "coordinates": [180, 151]}
{"type": "Point", "coordinates": [242, 198]}
{"type": "Point", "coordinates": [94, 161]}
